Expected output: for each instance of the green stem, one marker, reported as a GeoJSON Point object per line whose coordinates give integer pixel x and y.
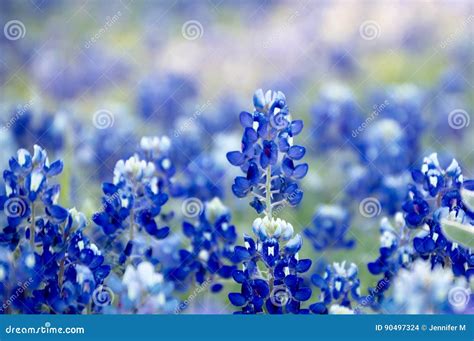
{"type": "Point", "coordinates": [32, 228]}
{"type": "Point", "coordinates": [61, 273]}
{"type": "Point", "coordinates": [132, 224]}
{"type": "Point", "coordinates": [268, 193]}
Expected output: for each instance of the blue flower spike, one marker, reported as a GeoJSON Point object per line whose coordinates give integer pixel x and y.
{"type": "Point", "coordinates": [271, 275]}
{"type": "Point", "coordinates": [268, 156]}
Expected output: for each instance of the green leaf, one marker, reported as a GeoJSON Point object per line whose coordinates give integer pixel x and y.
{"type": "Point", "coordinates": [460, 233]}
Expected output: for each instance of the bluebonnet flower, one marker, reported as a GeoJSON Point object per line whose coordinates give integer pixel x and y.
{"type": "Point", "coordinates": [396, 252]}
{"type": "Point", "coordinates": [338, 285]}
{"type": "Point", "coordinates": [386, 147]}
{"type": "Point", "coordinates": [209, 257]}
{"type": "Point", "coordinates": [422, 289]}
{"type": "Point", "coordinates": [433, 203]}
{"type": "Point", "coordinates": [271, 278]}
{"type": "Point", "coordinates": [268, 154]}
{"type": "Point", "coordinates": [367, 181]}
{"type": "Point", "coordinates": [29, 194]}
{"type": "Point", "coordinates": [59, 265]}
{"type": "Point", "coordinates": [79, 270]}
{"type": "Point", "coordinates": [144, 290]}
{"type": "Point", "coordinates": [30, 127]}
{"type": "Point", "coordinates": [133, 202]}
{"type": "Point", "coordinates": [157, 150]}
{"type": "Point", "coordinates": [396, 249]}
{"type": "Point", "coordinates": [335, 116]}
{"type": "Point", "coordinates": [330, 225]}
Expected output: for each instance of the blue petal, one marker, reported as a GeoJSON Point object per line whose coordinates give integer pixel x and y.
{"type": "Point", "coordinates": [239, 276]}
{"type": "Point", "coordinates": [235, 158]}
{"type": "Point", "coordinates": [303, 265]}
{"type": "Point", "coordinates": [296, 152]}
{"type": "Point", "coordinates": [55, 168]}
{"type": "Point", "coordinates": [237, 299]}
{"type": "Point", "coordinates": [58, 212]}
{"type": "Point", "coordinates": [215, 288]}
{"type": "Point", "coordinates": [318, 281]}
{"type": "Point", "coordinates": [296, 127]}
{"type": "Point", "coordinates": [246, 119]}
{"type": "Point", "coordinates": [318, 308]}
{"type": "Point", "coordinates": [300, 171]}
{"type": "Point", "coordinates": [303, 294]}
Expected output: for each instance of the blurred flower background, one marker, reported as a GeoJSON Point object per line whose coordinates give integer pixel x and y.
{"type": "Point", "coordinates": [380, 86]}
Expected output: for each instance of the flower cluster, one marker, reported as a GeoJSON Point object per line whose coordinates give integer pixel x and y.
{"type": "Point", "coordinates": [28, 193]}
{"type": "Point", "coordinates": [330, 225]}
{"type": "Point", "coordinates": [435, 205]}
{"type": "Point", "coordinates": [338, 285]}
{"type": "Point", "coordinates": [271, 277]}
{"type": "Point", "coordinates": [387, 144]}
{"type": "Point", "coordinates": [209, 257]}
{"type": "Point", "coordinates": [143, 290]}
{"type": "Point", "coordinates": [43, 247]}
{"type": "Point", "coordinates": [268, 154]}
{"type": "Point", "coordinates": [396, 252]}
{"type": "Point", "coordinates": [336, 117]}
{"type": "Point", "coordinates": [133, 201]}
{"type": "Point", "coordinates": [29, 126]}
{"type": "Point", "coordinates": [422, 290]}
